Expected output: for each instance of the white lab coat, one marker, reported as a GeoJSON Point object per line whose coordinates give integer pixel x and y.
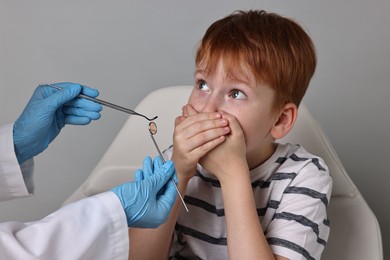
{"type": "Point", "coordinates": [92, 228]}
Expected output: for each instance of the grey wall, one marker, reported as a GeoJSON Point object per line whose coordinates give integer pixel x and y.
{"type": "Point", "coordinates": [128, 48]}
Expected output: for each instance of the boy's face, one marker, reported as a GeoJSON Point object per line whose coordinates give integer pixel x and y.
{"type": "Point", "coordinates": [250, 102]}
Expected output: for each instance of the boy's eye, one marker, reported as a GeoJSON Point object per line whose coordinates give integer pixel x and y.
{"type": "Point", "coordinates": [236, 94]}
{"type": "Point", "coordinates": [202, 85]}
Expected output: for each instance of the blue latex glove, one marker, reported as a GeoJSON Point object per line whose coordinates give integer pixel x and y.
{"type": "Point", "coordinates": [47, 112]}
{"type": "Point", "coordinates": [149, 199]}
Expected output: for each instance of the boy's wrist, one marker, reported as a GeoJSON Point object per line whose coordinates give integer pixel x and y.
{"type": "Point", "coordinates": [183, 181]}
{"type": "Point", "coordinates": [234, 175]}
{"type": "Point", "coordinates": [233, 167]}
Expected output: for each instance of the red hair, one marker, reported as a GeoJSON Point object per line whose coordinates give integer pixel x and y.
{"type": "Point", "coordinates": [276, 49]}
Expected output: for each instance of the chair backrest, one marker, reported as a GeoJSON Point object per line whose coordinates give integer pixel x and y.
{"type": "Point", "coordinates": [355, 233]}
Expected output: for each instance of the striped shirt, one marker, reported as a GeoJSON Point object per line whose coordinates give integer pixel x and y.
{"type": "Point", "coordinates": [292, 191]}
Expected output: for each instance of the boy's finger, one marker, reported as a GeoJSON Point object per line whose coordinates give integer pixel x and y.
{"type": "Point", "coordinates": [189, 110]}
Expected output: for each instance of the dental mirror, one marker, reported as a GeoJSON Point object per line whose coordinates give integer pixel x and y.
{"type": "Point", "coordinates": [152, 128]}
{"type": "Point", "coordinates": [153, 131]}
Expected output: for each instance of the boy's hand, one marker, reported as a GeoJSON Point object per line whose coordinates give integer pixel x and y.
{"type": "Point", "coordinates": [195, 134]}
{"type": "Point", "coordinates": [230, 156]}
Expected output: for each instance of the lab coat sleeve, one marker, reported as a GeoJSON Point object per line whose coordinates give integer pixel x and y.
{"type": "Point", "coordinates": [15, 180]}
{"type": "Point", "coordinates": [92, 228]}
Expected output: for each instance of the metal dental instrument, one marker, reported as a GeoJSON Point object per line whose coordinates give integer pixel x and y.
{"type": "Point", "coordinates": [153, 131]}
{"type": "Point", "coordinates": [108, 104]}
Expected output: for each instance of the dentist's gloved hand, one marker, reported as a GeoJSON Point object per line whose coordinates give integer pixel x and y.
{"type": "Point", "coordinates": [149, 199]}
{"type": "Point", "coordinates": [47, 112]}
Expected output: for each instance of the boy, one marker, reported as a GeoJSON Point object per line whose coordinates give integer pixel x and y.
{"type": "Point", "coordinates": [248, 197]}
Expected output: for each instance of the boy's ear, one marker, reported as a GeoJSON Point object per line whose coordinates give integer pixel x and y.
{"type": "Point", "coordinates": [285, 121]}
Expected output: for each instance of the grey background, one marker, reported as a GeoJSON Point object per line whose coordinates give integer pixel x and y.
{"type": "Point", "coordinates": [127, 49]}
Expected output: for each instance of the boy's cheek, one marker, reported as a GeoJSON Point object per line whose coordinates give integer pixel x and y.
{"type": "Point", "coordinates": [194, 105]}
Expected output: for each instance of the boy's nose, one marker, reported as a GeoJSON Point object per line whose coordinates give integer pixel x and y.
{"type": "Point", "coordinates": [211, 105]}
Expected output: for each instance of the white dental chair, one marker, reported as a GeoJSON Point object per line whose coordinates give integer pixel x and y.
{"type": "Point", "coordinates": [355, 233]}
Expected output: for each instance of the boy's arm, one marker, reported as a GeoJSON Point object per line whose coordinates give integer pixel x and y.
{"type": "Point", "coordinates": [245, 237]}
{"type": "Point", "coordinates": [153, 243]}
{"type": "Point", "coordinates": [194, 136]}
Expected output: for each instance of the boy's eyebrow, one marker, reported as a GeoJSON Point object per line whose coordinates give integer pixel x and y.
{"type": "Point", "coordinates": [200, 71]}
{"type": "Point", "coordinates": [230, 76]}
{"type": "Point", "coordinates": [235, 76]}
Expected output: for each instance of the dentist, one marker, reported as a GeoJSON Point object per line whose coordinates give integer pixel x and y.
{"type": "Point", "coordinates": [94, 227]}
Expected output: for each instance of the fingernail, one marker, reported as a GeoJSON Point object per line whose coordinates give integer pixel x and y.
{"type": "Point", "coordinates": [217, 115]}
{"type": "Point", "coordinates": [224, 121]}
